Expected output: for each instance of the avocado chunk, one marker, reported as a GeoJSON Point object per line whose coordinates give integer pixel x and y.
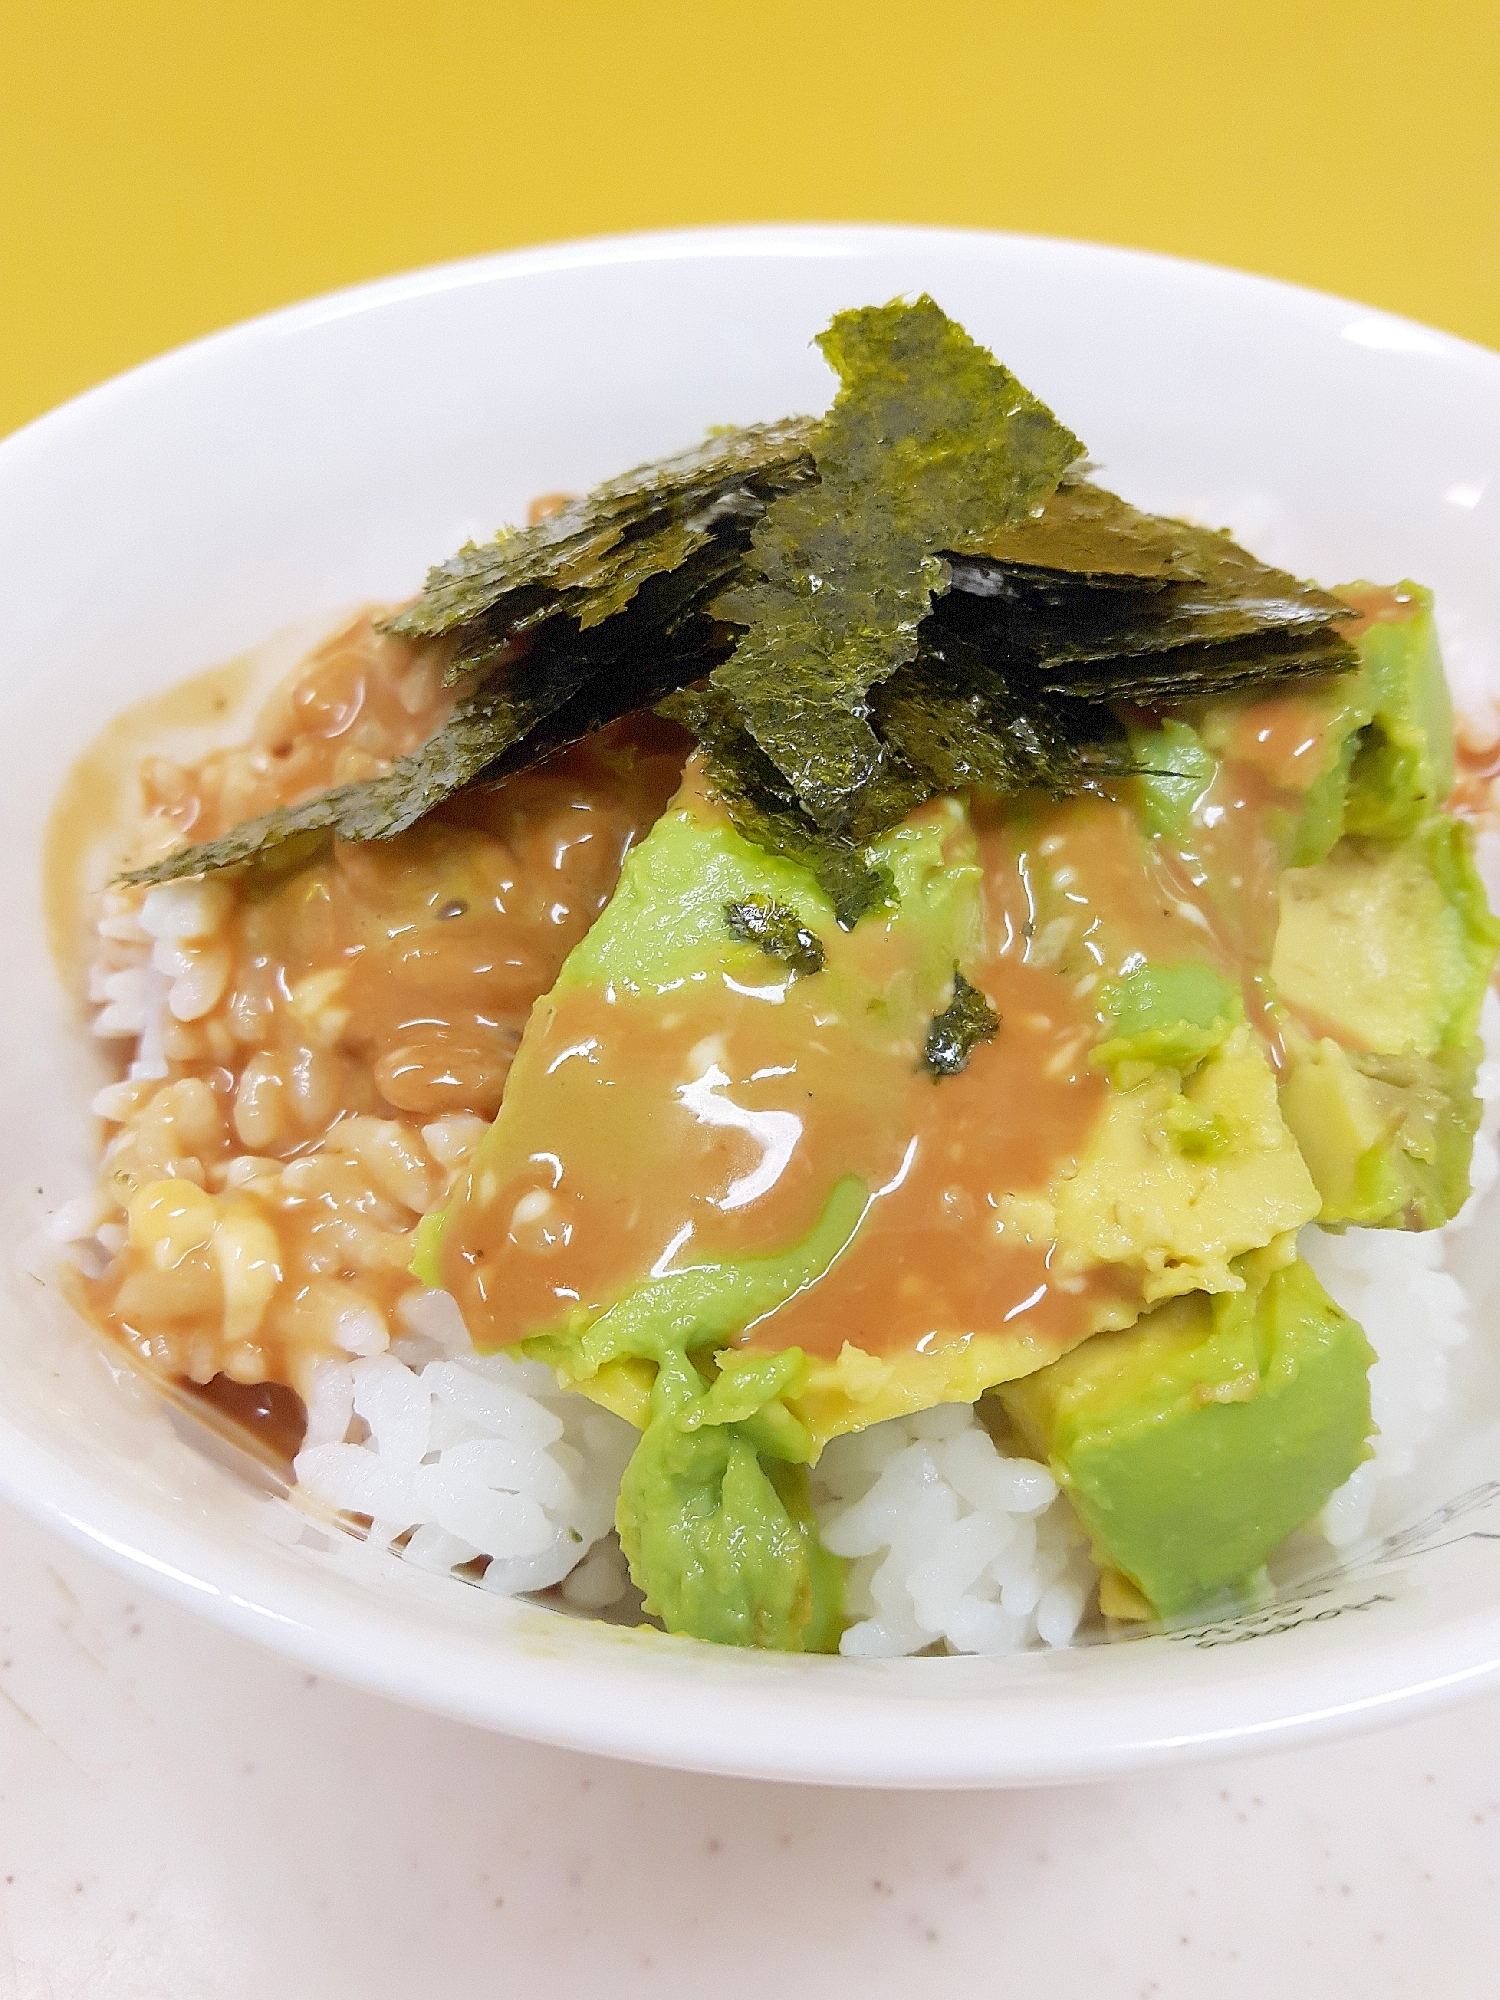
{"type": "Point", "coordinates": [1389, 943]}
{"type": "Point", "coordinates": [715, 1514]}
{"type": "Point", "coordinates": [1388, 732]}
{"type": "Point", "coordinates": [1386, 942]}
{"type": "Point", "coordinates": [1387, 946]}
{"type": "Point", "coordinates": [1402, 769]}
{"type": "Point", "coordinates": [1387, 1139]}
{"type": "Point", "coordinates": [1195, 1441]}
{"type": "Point", "coordinates": [1384, 739]}
{"type": "Point", "coordinates": [1175, 771]}
{"type": "Point", "coordinates": [1164, 1016]}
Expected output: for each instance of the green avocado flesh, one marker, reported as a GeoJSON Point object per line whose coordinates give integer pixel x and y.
{"type": "Point", "coordinates": [713, 1512]}
{"type": "Point", "coordinates": [1166, 1016]}
{"type": "Point", "coordinates": [1385, 942]}
{"type": "Point", "coordinates": [1385, 946]}
{"type": "Point", "coordinates": [1192, 1444]}
{"type": "Point", "coordinates": [714, 1515]}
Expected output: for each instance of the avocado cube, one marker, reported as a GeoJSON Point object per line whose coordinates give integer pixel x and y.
{"type": "Point", "coordinates": [1403, 769]}
{"type": "Point", "coordinates": [1195, 1441]}
{"type": "Point", "coordinates": [1387, 1139]}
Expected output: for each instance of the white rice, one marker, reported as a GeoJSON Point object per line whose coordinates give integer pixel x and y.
{"type": "Point", "coordinates": [460, 1459]}
{"type": "Point", "coordinates": [952, 1542]}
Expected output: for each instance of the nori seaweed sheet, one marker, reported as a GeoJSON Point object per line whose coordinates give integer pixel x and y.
{"type": "Point", "coordinates": [955, 718]}
{"type": "Point", "coordinates": [565, 685]}
{"type": "Point", "coordinates": [589, 560]}
{"type": "Point", "coordinates": [929, 438]}
{"type": "Point", "coordinates": [922, 593]}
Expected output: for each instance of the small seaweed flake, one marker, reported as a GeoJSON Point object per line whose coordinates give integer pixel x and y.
{"type": "Point", "coordinates": [778, 930]}
{"type": "Point", "coordinates": [966, 1021]}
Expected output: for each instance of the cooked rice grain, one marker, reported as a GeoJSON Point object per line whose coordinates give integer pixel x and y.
{"type": "Point", "coordinates": [466, 1460]}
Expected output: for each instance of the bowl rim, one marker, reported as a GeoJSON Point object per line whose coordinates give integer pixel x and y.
{"type": "Point", "coordinates": [1395, 331]}
{"type": "Point", "coordinates": [858, 1735]}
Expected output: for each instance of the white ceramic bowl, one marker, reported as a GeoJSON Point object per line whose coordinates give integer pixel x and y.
{"type": "Point", "coordinates": [325, 455]}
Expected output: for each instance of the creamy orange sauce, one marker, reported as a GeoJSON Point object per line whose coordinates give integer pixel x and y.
{"type": "Point", "coordinates": [1476, 790]}
{"type": "Point", "coordinates": [361, 702]}
{"type": "Point", "coordinates": [1476, 794]}
{"type": "Point", "coordinates": [712, 1125]}
{"type": "Point", "coordinates": [934, 1258]}
{"type": "Point", "coordinates": [1283, 738]}
{"type": "Point", "coordinates": [624, 1168]}
{"type": "Point", "coordinates": [628, 1166]}
{"type": "Point", "coordinates": [1374, 604]}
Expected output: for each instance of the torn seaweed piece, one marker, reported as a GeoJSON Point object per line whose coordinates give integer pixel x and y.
{"type": "Point", "coordinates": [566, 684]}
{"type": "Point", "coordinates": [852, 696]}
{"type": "Point", "coordinates": [1201, 672]}
{"type": "Point", "coordinates": [588, 561]}
{"type": "Point", "coordinates": [1081, 531]}
{"type": "Point", "coordinates": [954, 718]}
{"type": "Point", "coordinates": [482, 724]}
{"type": "Point", "coordinates": [966, 1021]}
{"type": "Point", "coordinates": [763, 808]}
{"type": "Point", "coordinates": [778, 930]}
{"type": "Point", "coordinates": [644, 678]}
{"type": "Point", "coordinates": [1051, 617]}
{"type": "Point", "coordinates": [929, 440]}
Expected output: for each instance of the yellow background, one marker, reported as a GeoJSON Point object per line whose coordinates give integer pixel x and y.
{"type": "Point", "coordinates": [172, 165]}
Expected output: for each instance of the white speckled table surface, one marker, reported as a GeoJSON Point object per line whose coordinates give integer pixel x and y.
{"type": "Point", "coordinates": [184, 1817]}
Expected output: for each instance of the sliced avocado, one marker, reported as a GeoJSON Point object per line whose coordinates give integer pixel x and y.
{"type": "Point", "coordinates": [1387, 947]}
{"type": "Point", "coordinates": [715, 1515]}
{"type": "Point", "coordinates": [1185, 1175]}
{"type": "Point", "coordinates": [1403, 769]}
{"type": "Point", "coordinates": [1387, 1139]}
{"type": "Point", "coordinates": [1174, 769]}
{"type": "Point", "coordinates": [1194, 1442]}
{"type": "Point", "coordinates": [1389, 944]}
{"type": "Point", "coordinates": [1388, 731]}
{"type": "Point", "coordinates": [1320, 823]}
{"type": "Point", "coordinates": [1383, 760]}
{"type": "Point", "coordinates": [1164, 1016]}
{"type": "Point", "coordinates": [667, 923]}
{"type": "Point", "coordinates": [1385, 943]}
{"type": "Point", "coordinates": [1388, 757]}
